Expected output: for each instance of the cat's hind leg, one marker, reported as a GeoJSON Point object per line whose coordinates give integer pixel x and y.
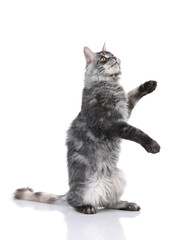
{"type": "Point", "coordinates": [125, 205]}
{"type": "Point", "coordinates": [75, 200]}
{"type": "Point", "coordinates": [86, 209]}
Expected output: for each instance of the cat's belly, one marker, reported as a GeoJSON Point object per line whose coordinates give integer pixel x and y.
{"type": "Point", "coordinates": [103, 190]}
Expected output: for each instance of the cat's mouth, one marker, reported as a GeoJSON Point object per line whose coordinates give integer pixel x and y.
{"type": "Point", "coordinates": [113, 64]}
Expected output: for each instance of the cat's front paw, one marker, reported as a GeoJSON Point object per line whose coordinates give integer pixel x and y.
{"type": "Point", "coordinates": [152, 147]}
{"type": "Point", "coordinates": [147, 87]}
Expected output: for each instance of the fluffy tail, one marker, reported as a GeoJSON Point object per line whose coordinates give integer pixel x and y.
{"type": "Point", "coordinates": [30, 195]}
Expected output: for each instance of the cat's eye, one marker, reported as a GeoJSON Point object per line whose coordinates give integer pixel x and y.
{"type": "Point", "coordinates": [103, 59]}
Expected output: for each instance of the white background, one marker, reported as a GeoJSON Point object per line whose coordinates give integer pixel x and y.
{"type": "Point", "coordinates": [41, 80]}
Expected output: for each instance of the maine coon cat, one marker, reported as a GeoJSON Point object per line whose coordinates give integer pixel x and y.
{"type": "Point", "coordinates": [93, 140]}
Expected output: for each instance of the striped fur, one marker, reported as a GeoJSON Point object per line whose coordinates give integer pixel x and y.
{"type": "Point", "coordinates": [93, 139]}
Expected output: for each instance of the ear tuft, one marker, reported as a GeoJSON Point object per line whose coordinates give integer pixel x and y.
{"type": "Point", "coordinates": [104, 47]}
{"type": "Point", "coordinates": [89, 55]}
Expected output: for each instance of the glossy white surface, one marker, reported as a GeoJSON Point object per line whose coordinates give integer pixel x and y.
{"type": "Point", "coordinates": [41, 80]}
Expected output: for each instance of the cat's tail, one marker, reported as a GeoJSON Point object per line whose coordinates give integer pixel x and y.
{"type": "Point", "coordinates": [30, 195]}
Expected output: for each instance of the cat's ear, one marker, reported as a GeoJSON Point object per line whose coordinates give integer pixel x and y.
{"type": "Point", "coordinates": [89, 55]}
{"type": "Point", "coordinates": [104, 47]}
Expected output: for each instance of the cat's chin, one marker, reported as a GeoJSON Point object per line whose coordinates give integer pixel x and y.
{"type": "Point", "coordinates": [116, 75]}
{"type": "Point", "coordinates": [114, 71]}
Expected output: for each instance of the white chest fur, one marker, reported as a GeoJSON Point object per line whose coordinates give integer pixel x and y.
{"type": "Point", "coordinates": [103, 190]}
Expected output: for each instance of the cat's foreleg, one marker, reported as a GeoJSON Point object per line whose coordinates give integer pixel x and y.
{"type": "Point", "coordinates": [136, 94]}
{"type": "Point", "coordinates": [125, 205]}
{"type": "Point", "coordinates": [126, 131]}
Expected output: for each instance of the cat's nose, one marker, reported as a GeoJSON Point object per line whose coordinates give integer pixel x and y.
{"type": "Point", "coordinates": [114, 58]}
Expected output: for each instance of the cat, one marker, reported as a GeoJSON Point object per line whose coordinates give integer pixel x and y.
{"type": "Point", "coordinates": [93, 139]}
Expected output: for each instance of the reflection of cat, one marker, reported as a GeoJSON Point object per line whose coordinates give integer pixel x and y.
{"type": "Point", "coordinates": [94, 136]}
{"type": "Point", "coordinates": [105, 225]}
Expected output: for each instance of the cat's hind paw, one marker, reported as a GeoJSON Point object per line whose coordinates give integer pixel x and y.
{"type": "Point", "coordinates": [126, 206]}
{"type": "Point", "coordinates": [132, 207]}
{"type": "Point", "coordinates": [86, 209]}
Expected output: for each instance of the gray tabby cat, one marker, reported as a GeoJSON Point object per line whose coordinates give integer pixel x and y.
{"type": "Point", "coordinates": [93, 140]}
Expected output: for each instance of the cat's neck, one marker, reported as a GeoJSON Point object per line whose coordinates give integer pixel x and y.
{"type": "Point", "coordinates": [90, 80]}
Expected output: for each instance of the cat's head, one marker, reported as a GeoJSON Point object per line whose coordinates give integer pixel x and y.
{"type": "Point", "coordinates": [101, 65]}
